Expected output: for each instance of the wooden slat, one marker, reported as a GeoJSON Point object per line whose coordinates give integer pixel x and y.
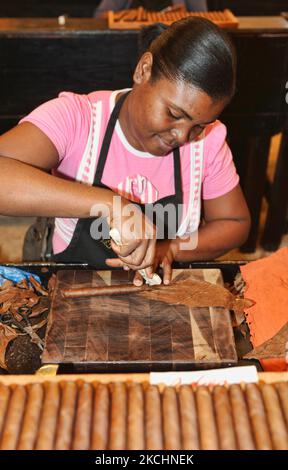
{"type": "Point", "coordinates": [8, 380]}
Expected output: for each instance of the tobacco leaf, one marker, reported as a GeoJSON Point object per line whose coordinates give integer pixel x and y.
{"type": "Point", "coordinates": [33, 300]}
{"type": "Point", "coordinates": [23, 284]}
{"type": "Point", "coordinates": [273, 347]}
{"type": "Point", "coordinates": [14, 311]}
{"type": "Point", "coordinates": [194, 293]}
{"type": "Point", "coordinates": [9, 294]}
{"type": "Point", "coordinates": [40, 308]}
{"type": "Point", "coordinates": [39, 325]}
{"type": "Point", "coordinates": [7, 334]}
{"type": "Point", "coordinates": [37, 286]}
{"type": "Point", "coordinates": [6, 285]}
{"type": "Point", "coordinates": [52, 283]}
{"type": "Point", "coordinates": [5, 307]}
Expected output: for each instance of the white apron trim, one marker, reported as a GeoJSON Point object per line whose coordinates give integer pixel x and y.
{"type": "Point", "coordinates": [87, 167]}
{"type": "Point", "coordinates": [191, 221]}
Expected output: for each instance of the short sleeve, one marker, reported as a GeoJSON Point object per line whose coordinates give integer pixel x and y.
{"type": "Point", "coordinates": [219, 172]}
{"type": "Point", "coordinates": [59, 120]}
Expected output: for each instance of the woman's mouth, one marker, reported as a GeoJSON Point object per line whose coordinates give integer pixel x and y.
{"type": "Point", "coordinates": [166, 146]}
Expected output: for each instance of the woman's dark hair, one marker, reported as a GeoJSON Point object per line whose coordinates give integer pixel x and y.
{"type": "Point", "coordinates": [194, 50]}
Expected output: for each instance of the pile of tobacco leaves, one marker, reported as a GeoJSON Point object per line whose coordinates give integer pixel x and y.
{"type": "Point", "coordinates": [24, 309]}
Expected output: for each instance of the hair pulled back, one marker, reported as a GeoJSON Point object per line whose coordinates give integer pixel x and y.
{"type": "Point", "coordinates": [194, 50]}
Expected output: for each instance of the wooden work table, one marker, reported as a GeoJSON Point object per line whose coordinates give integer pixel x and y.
{"type": "Point", "coordinates": [31, 26]}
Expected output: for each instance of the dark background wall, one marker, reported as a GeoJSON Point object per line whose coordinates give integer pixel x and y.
{"type": "Point", "coordinates": [47, 8]}
{"type": "Point", "coordinates": [84, 8]}
{"type": "Point", "coordinates": [250, 7]}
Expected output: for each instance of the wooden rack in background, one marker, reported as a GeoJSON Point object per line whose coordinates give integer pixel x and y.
{"type": "Point", "coordinates": [138, 17]}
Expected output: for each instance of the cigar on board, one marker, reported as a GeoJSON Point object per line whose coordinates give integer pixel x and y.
{"type": "Point", "coordinates": [102, 290]}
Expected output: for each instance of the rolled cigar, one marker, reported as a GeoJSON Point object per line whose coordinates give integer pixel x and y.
{"type": "Point", "coordinates": [258, 417]}
{"type": "Point", "coordinates": [171, 422]}
{"type": "Point", "coordinates": [139, 13]}
{"type": "Point", "coordinates": [48, 421]}
{"type": "Point", "coordinates": [66, 416]}
{"type": "Point", "coordinates": [136, 440]}
{"type": "Point", "coordinates": [240, 418]}
{"type": "Point", "coordinates": [275, 417]}
{"type": "Point", "coordinates": [81, 439]}
{"type": "Point", "coordinates": [188, 417]}
{"type": "Point", "coordinates": [119, 16]}
{"type": "Point", "coordinates": [4, 400]}
{"type": "Point", "coordinates": [227, 439]}
{"type": "Point", "coordinates": [153, 419]}
{"type": "Point", "coordinates": [14, 417]}
{"type": "Point", "coordinates": [207, 425]}
{"type": "Point", "coordinates": [282, 389]}
{"type": "Point", "coordinates": [107, 290]}
{"type": "Point", "coordinates": [131, 15]}
{"type": "Point", "coordinates": [117, 439]}
{"type": "Point", "coordinates": [100, 422]}
{"type": "Point", "coordinates": [31, 419]}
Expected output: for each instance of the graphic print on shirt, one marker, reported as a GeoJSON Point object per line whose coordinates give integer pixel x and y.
{"type": "Point", "coordinates": [138, 189]}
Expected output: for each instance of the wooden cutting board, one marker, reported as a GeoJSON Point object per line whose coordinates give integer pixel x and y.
{"type": "Point", "coordinates": [130, 333]}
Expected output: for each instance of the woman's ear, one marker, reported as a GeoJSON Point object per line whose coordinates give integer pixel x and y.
{"type": "Point", "coordinates": [143, 69]}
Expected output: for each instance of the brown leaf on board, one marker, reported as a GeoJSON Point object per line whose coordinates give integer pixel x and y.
{"type": "Point", "coordinates": [194, 293]}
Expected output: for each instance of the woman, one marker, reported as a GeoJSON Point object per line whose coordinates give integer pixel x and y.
{"type": "Point", "coordinates": [158, 145]}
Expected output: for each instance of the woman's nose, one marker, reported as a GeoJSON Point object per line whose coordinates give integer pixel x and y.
{"type": "Point", "coordinates": [183, 135]}
{"type": "Point", "coordinates": [180, 135]}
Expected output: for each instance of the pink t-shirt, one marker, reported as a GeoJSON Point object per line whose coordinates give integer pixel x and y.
{"type": "Point", "coordinates": [76, 125]}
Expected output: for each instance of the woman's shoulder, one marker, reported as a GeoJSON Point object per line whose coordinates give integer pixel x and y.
{"type": "Point", "coordinates": [214, 141]}
{"type": "Point", "coordinates": [216, 132]}
{"type": "Point", "coordinates": [77, 100]}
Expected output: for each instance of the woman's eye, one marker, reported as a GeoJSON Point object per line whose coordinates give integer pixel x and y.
{"type": "Point", "coordinates": [172, 115]}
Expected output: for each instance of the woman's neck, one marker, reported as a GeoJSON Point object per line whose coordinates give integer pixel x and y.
{"type": "Point", "coordinates": [125, 122]}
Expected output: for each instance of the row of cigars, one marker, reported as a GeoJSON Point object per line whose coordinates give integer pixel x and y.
{"type": "Point", "coordinates": [82, 415]}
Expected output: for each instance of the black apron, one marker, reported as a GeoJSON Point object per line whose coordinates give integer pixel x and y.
{"type": "Point", "coordinates": [83, 248]}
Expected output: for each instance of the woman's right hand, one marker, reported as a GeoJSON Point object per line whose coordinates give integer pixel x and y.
{"type": "Point", "coordinates": [136, 243]}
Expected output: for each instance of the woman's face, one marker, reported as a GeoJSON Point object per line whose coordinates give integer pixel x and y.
{"type": "Point", "coordinates": [161, 115]}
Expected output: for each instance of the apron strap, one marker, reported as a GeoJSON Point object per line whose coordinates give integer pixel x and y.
{"type": "Point", "coordinates": [107, 139]}
{"type": "Point", "coordinates": [177, 174]}
{"type": "Point", "coordinates": [106, 144]}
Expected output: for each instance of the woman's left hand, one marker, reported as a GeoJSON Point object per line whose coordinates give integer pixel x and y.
{"type": "Point", "coordinates": [165, 254]}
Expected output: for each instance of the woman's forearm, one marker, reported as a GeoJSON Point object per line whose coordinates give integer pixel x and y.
{"type": "Point", "coordinates": [28, 191]}
{"type": "Point", "coordinates": [213, 240]}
